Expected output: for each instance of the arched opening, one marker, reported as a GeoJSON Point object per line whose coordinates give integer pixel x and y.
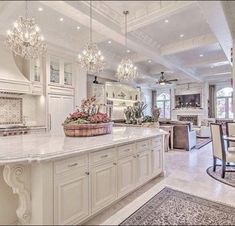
{"type": "Point", "coordinates": [163, 102]}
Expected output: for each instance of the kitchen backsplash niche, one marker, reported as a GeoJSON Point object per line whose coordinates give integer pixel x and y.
{"type": "Point", "coordinates": [11, 110]}
{"type": "Point", "coordinates": [23, 109]}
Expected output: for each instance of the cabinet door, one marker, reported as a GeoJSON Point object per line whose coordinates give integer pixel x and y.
{"type": "Point", "coordinates": [59, 109]}
{"type": "Point", "coordinates": [126, 175]}
{"type": "Point", "coordinates": [71, 197]}
{"type": "Point", "coordinates": [143, 166]}
{"type": "Point", "coordinates": [156, 157]}
{"type": "Point", "coordinates": [103, 185]}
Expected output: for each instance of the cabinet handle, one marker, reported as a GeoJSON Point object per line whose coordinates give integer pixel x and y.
{"type": "Point", "coordinates": [134, 156]}
{"type": "Point", "coordinates": [72, 165]}
{"type": "Point", "coordinates": [152, 150]}
{"type": "Point", "coordinates": [104, 156]}
{"type": "Point", "coordinates": [87, 173]}
{"type": "Point", "coordinates": [115, 163]}
{"type": "Point", "coordinates": [138, 155]}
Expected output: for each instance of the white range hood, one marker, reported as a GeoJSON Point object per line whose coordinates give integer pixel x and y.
{"type": "Point", "coordinates": [11, 78]}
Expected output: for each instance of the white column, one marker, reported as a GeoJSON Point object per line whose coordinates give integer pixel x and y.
{"type": "Point", "coordinates": [233, 78]}
{"type": "Point", "coordinates": [80, 85]}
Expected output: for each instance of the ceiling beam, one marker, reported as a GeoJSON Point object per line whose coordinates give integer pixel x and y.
{"type": "Point", "coordinates": [209, 61]}
{"type": "Point", "coordinates": [188, 44]}
{"type": "Point", "coordinates": [214, 13]}
{"type": "Point", "coordinates": [70, 9]}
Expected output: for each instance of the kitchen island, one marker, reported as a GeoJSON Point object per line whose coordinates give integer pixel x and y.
{"type": "Point", "coordinates": [64, 180]}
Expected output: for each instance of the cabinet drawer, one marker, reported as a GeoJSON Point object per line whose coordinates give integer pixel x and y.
{"type": "Point", "coordinates": [156, 142]}
{"type": "Point", "coordinates": [143, 145]}
{"type": "Point", "coordinates": [126, 150]}
{"type": "Point", "coordinates": [103, 156]}
{"type": "Point", "coordinates": [70, 164]}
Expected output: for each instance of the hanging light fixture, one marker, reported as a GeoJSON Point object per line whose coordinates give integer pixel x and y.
{"type": "Point", "coordinates": [25, 38]}
{"type": "Point", "coordinates": [126, 70]}
{"type": "Point", "coordinates": [91, 58]}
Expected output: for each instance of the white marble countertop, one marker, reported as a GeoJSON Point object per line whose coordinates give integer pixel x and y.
{"type": "Point", "coordinates": [41, 147]}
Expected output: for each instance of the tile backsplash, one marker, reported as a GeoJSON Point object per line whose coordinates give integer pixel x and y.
{"type": "Point", "coordinates": [11, 110]}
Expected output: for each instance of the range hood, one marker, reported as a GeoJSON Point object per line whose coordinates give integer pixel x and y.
{"type": "Point", "coordinates": [11, 78]}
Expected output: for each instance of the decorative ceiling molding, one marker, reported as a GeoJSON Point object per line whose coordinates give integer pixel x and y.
{"type": "Point", "coordinates": [144, 38]}
{"type": "Point", "coordinates": [103, 9]}
{"type": "Point", "coordinates": [188, 44]}
{"type": "Point", "coordinates": [158, 14]}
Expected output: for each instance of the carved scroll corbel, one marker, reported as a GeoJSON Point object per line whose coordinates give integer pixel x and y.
{"type": "Point", "coordinates": [17, 177]}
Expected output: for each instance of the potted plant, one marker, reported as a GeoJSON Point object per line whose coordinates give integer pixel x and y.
{"type": "Point", "coordinates": [87, 121]}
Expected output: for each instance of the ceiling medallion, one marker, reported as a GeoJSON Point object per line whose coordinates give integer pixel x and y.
{"type": "Point", "coordinates": [126, 70]}
{"type": "Point", "coordinates": [91, 58]}
{"type": "Point", "coordinates": [25, 38]}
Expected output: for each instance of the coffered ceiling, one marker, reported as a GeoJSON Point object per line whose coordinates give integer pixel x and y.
{"type": "Point", "coordinates": [178, 37]}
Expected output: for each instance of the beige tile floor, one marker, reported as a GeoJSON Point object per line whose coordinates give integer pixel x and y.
{"type": "Point", "coordinates": [184, 171]}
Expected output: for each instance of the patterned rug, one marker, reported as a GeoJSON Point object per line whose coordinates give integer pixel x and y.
{"type": "Point", "coordinates": [229, 178]}
{"type": "Point", "coordinates": [171, 207]}
{"type": "Point", "coordinates": [201, 142]}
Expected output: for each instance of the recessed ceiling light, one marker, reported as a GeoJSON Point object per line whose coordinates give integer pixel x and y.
{"type": "Point", "coordinates": [166, 21]}
{"type": "Point", "coordinates": [149, 61]}
{"type": "Point", "coordinates": [201, 55]}
{"type": "Point", "coordinates": [109, 42]}
{"type": "Point", "coordinates": [40, 9]}
{"type": "Point", "coordinates": [128, 51]}
{"type": "Point", "coordinates": [212, 66]}
{"type": "Point", "coordinates": [182, 35]}
{"type": "Point", "coordinates": [61, 19]}
{"type": "Point", "coordinates": [78, 27]}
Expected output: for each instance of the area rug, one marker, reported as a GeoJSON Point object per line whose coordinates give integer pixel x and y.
{"type": "Point", "coordinates": [229, 178]}
{"type": "Point", "coordinates": [201, 142]}
{"type": "Point", "coordinates": [171, 207]}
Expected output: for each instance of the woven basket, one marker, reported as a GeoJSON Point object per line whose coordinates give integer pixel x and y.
{"type": "Point", "coordinates": [87, 130]}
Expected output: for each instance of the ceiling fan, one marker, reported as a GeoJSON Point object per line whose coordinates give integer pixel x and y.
{"type": "Point", "coordinates": [163, 81]}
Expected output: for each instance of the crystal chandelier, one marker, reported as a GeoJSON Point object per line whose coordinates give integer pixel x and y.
{"type": "Point", "coordinates": [25, 38]}
{"type": "Point", "coordinates": [91, 58]}
{"type": "Point", "coordinates": [126, 70]}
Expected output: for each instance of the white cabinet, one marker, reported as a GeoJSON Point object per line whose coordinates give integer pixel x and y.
{"type": "Point", "coordinates": [114, 172]}
{"type": "Point", "coordinates": [103, 185]}
{"type": "Point", "coordinates": [126, 169]}
{"type": "Point", "coordinates": [71, 196]}
{"type": "Point", "coordinates": [143, 166]}
{"type": "Point", "coordinates": [156, 158]}
{"type": "Point", "coordinates": [59, 109]}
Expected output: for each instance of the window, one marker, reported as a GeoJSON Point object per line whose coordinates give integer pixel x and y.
{"type": "Point", "coordinates": [163, 102]}
{"type": "Point", "coordinates": [224, 103]}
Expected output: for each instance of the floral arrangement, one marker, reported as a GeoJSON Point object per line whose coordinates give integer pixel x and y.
{"type": "Point", "coordinates": [138, 109]}
{"type": "Point", "coordinates": [87, 113]}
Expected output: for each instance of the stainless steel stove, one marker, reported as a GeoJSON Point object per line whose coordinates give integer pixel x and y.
{"type": "Point", "coordinates": [14, 130]}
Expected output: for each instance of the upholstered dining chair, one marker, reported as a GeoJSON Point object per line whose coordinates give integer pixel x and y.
{"type": "Point", "coordinates": [219, 151]}
{"type": "Point", "coordinates": [230, 131]}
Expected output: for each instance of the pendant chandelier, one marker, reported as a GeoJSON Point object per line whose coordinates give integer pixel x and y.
{"type": "Point", "coordinates": [126, 70]}
{"type": "Point", "coordinates": [91, 58]}
{"type": "Point", "coordinates": [25, 38]}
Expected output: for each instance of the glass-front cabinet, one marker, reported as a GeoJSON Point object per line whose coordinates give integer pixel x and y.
{"type": "Point", "coordinates": [55, 70]}
{"type": "Point", "coordinates": [68, 73]}
{"type": "Point", "coordinates": [61, 72]}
